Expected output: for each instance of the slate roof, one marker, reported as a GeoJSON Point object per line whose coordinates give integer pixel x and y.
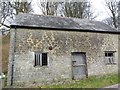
{"type": "Point", "coordinates": [62, 23]}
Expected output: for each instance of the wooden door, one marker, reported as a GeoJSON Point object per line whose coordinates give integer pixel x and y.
{"type": "Point", "coordinates": [79, 67]}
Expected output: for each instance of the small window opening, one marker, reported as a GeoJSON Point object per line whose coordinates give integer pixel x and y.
{"type": "Point", "coordinates": [109, 57]}
{"type": "Point", "coordinates": [40, 59]}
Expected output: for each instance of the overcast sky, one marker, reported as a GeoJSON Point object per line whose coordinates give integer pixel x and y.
{"type": "Point", "coordinates": [100, 10]}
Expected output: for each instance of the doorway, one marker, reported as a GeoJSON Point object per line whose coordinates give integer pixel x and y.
{"type": "Point", "coordinates": [79, 66]}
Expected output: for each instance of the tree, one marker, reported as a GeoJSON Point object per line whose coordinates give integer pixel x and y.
{"type": "Point", "coordinates": [108, 21]}
{"type": "Point", "coordinates": [23, 7]}
{"type": "Point", "coordinates": [112, 7]}
{"type": "Point", "coordinates": [5, 11]}
{"type": "Point", "coordinates": [9, 9]}
{"type": "Point", "coordinates": [119, 15]}
{"type": "Point", "coordinates": [48, 8]}
{"type": "Point", "coordinates": [77, 9]}
{"type": "Point", "coordinates": [67, 9]}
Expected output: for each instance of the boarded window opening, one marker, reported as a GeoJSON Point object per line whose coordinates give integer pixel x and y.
{"type": "Point", "coordinates": [40, 59]}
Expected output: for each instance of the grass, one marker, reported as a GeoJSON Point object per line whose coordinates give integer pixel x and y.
{"type": "Point", "coordinates": [91, 82]}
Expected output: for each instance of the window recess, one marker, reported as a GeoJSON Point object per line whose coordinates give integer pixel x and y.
{"type": "Point", "coordinates": [109, 57]}
{"type": "Point", "coordinates": [41, 59]}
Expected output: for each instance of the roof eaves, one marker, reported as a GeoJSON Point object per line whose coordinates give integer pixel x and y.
{"type": "Point", "coordinates": [67, 29]}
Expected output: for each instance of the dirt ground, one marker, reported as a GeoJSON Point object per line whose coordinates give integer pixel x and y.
{"type": "Point", "coordinates": [117, 86]}
{"type": "Point", "coordinates": [5, 52]}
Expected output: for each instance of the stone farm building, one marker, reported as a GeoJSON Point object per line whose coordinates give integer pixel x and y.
{"type": "Point", "coordinates": [45, 49]}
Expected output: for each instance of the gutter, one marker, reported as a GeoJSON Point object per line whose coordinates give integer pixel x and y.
{"type": "Point", "coordinates": [13, 58]}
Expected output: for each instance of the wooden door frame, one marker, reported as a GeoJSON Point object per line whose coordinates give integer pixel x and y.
{"type": "Point", "coordinates": [72, 63]}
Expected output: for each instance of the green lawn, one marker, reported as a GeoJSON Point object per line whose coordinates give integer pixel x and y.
{"type": "Point", "coordinates": [91, 82]}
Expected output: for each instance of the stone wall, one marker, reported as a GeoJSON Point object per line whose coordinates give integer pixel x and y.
{"type": "Point", "coordinates": [59, 58]}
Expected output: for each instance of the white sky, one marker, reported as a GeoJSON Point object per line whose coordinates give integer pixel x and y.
{"type": "Point", "coordinates": [36, 8]}
{"type": "Point", "coordinates": [100, 10]}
